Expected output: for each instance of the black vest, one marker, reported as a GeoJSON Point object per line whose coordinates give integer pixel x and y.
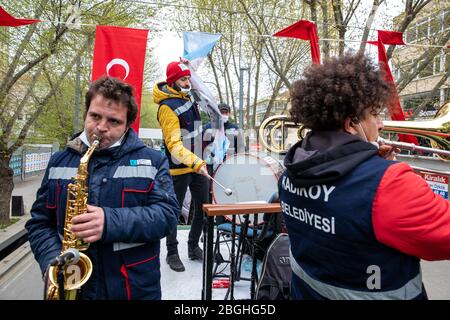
{"type": "Point", "coordinates": [190, 126]}
{"type": "Point", "coordinates": [334, 251]}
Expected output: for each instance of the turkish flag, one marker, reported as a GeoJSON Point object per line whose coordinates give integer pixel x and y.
{"type": "Point", "coordinates": [8, 20]}
{"type": "Point", "coordinates": [304, 30]}
{"type": "Point", "coordinates": [120, 53]}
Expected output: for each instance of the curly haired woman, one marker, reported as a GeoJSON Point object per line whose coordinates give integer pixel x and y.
{"type": "Point", "coordinates": [358, 223]}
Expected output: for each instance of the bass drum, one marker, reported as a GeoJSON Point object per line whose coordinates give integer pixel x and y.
{"type": "Point", "coordinates": [253, 177]}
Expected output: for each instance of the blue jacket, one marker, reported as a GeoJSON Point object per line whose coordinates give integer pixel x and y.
{"type": "Point", "coordinates": [132, 184]}
{"type": "Point", "coordinates": [326, 197]}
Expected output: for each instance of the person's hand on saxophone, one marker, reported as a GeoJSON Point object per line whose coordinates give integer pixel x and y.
{"type": "Point", "coordinates": [89, 226]}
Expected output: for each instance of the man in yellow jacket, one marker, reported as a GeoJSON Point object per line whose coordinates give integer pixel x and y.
{"type": "Point", "coordinates": [181, 125]}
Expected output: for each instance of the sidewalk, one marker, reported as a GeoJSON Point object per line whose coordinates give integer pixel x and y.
{"type": "Point", "coordinates": [27, 189]}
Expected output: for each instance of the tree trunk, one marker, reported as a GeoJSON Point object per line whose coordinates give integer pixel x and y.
{"type": "Point", "coordinates": [326, 33]}
{"type": "Point", "coordinates": [368, 26]}
{"type": "Point", "coordinates": [274, 95]}
{"type": "Point", "coordinates": [216, 78]}
{"type": "Point", "coordinates": [6, 187]}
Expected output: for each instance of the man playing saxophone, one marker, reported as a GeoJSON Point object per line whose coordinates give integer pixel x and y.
{"type": "Point", "coordinates": [130, 205]}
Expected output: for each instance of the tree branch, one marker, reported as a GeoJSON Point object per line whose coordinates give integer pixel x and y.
{"type": "Point", "coordinates": [23, 133]}
{"type": "Point", "coordinates": [411, 10]}
{"type": "Point", "coordinates": [424, 61]}
{"type": "Point", "coordinates": [369, 22]}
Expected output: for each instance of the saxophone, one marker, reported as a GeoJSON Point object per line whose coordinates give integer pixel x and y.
{"type": "Point", "coordinates": [77, 274]}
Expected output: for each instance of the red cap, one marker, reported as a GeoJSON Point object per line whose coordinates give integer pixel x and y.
{"type": "Point", "coordinates": [176, 70]}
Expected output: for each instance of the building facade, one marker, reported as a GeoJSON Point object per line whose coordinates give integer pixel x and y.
{"type": "Point", "coordinates": [429, 28]}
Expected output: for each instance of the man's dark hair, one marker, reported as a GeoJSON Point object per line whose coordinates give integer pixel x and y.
{"type": "Point", "coordinates": [339, 88]}
{"type": "Point", "coordinates": [116, 90]}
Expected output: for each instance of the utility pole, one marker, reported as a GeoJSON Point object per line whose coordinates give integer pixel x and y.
{"type": "Point", "coordinates": [241, 96]}
{"type": "Point", "coordinates": [76, 124]}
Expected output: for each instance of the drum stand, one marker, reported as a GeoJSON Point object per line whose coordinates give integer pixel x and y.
{"type": "Point", "coordinates": [252, 247]}
{"type": "Point", "coordinates": [232, 259]}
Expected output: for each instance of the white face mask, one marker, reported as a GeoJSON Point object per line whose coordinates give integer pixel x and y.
{"type": "Point", "coordinates": [225, 119]}
{"type": "Point", "coordinates": [363, 133]}
{"type": "Point", "coordinates": [365, 137]}
{"type": "Point", "coordinates": [185, 90]}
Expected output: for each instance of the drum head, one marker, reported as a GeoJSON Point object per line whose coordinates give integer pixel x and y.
{"type": "Point", "coordinates": [251, 177]}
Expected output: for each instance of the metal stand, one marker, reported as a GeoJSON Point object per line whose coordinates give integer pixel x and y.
{"type": "Point", "coordinates": [230, 290]}
{"type": "Point", "coordinates": [60, 277]}
{"type": "Point", "coordinates": [254, 276]}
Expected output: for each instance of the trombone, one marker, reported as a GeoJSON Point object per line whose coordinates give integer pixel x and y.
{"type": "Point", "coordinates": [278, 133]}
{"type": "Point", "coordinates": [437, 131]}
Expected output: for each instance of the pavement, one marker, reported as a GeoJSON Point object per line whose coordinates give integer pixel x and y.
{"type": "Point", "coordinates": [20, 277]}
{"type": "Point", "coordinates": [20, 264]}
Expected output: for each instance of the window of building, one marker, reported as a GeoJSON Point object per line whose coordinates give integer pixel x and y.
{"type": "Point", "coordinates": [446, 94]}
{"type": "Point", "coordinates": [447, 61]}
{"type": "Point", "coordinates": [446, 24]}
{"type": "Point", "coordinates": [422, 29]}
{"type": "Point", "coordinates": [396, 73]}
{"type": "Point", "coordinates": [437, 64]}
{"type": "Point", "coordinates": [406, 68]}
{"type": "Point", "coordinates": [435, 25]}
{"type": "Point", "coordinates": [427, 71]}
{"type": "Point", "coordinates": [411, 34]}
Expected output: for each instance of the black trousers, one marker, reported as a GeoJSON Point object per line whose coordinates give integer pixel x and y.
{"type": "Point", "coordinates": [199, 187]}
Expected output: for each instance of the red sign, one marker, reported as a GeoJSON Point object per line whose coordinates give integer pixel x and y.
{"type": "Point", "coordinates": [437, 182]}
{"type": "Point", "coordinates": [120, 53]}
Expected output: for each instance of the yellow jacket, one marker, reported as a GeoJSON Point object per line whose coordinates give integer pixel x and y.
{"type": "Point", "coordinates": [170, 125]}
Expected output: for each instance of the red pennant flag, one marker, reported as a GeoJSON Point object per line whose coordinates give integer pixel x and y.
{"type": "Point", "coordinates": [394, 107]}
{"type": "Point", "coordinates": [7, 20]}
{"type": "Point", "coordinates": [305, 30]}
{"type": "Point", "coordinates": [120, 53]}
{"type": "Point", "coordinates": [390, 37]}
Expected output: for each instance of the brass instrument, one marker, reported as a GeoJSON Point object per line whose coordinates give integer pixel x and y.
{"type": "Point", "coordinates": [437, 131]}
{"type": "Point", "coordinates": [78, 274]}
{"type": "Point", "coordinates": [413, 147]}
{"type": "Point", "coordinates": [278, 132]}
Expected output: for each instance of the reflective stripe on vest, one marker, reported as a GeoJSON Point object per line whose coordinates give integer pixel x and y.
{"type": "Point", "coordinates": [64, 173]}
{"type": "Point", "coordinates": [410, 290]}
{"type": "Point", "coordinates": [193, 134]}
{"type": "Point", "coordinates": [117, 246]}
{"type": "Point", "coordinates": [135, 172]}
{"type": "Point", "coordinates": [181, 109]}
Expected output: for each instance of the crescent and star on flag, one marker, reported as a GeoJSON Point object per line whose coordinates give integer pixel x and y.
{"type": "Point", "coordinates": [120, 62]}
